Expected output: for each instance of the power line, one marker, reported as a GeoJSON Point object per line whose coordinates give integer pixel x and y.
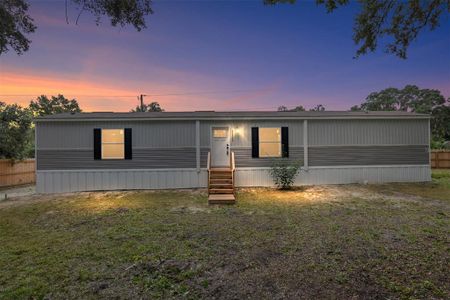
{"type": "Point", "coordinates": [151, 95]}
{"type": "Point", "coordinates": [34, 95]}
{"type": "Point", "coordinates": [210, 92]}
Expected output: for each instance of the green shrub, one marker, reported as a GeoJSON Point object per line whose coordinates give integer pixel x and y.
{"type": "Point", "coordinates": [437, 143]}
{"type": "Point", "coordinates": [283, 173]}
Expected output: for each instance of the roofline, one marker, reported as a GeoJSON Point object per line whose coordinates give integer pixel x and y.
{"type": "Point", "coordinates": [414, 117]}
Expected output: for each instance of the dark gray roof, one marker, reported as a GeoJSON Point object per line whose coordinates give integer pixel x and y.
{"type": "Point", "coordinates": [212, 115]}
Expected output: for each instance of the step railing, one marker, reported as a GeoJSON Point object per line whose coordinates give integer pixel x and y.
{"type": "Point", "coordinates": [233, 168]}
{"type": "Point", "coordinates": [208, 166]}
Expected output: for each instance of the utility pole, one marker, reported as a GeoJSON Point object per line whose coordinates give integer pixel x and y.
{"type": "Point", "coordinates": [141, 98]}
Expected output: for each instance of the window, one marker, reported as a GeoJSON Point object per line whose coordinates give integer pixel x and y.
{"type": "Point", "coordinates": [113, 144]}
{"type": "Point", "coordinates": [269, 142]}
{"type": "Point", "coordinates": [220, 132]}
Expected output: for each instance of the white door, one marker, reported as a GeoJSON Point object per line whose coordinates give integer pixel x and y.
{"type": "Point", "coordinates": [220, 147]}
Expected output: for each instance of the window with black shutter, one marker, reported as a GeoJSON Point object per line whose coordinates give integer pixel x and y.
{"type": "Point", "coordinates": [285, 141]}
{"type": "Point", "coordinates": [112, 143]}
{"type": "Point", "coordinates": [270, 142]}
{"type": "Point", "coordinates": [255, 142]}
{"type": "Point", "coordinates": [128, 144]}
{"type": "Point", "coordinates": [97, 143]}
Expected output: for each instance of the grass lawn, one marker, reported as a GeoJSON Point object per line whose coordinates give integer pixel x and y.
{"type": "Point", "coordinates": [352, 241]}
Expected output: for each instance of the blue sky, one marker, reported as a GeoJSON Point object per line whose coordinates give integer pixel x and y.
{"type": "Point", "coordinates": [216, 55]}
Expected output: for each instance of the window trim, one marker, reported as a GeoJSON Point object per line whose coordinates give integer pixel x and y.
{"type": "Point", "coordinates": [112, 143]}
{"type": "Point", "coordinates": [280, 142]}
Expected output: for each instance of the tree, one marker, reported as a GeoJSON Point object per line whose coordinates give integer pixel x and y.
{"type": "Point", "coordinates": [355, 108]}
{"type": "Point", "coordinates": [402, 21]}
{"type": "Point", "coordinates": [440, 122]}
{"type": "Point", "coordinates": [59, 104]}
{"type": "Point", "coordinates": [413, 99]}
{"type": "Point", "coordinates": [152, 107]}
{"type": "Point", "coordinates": [410, 98]}
{"type": "Point", "coordinates": [15, 124]}
{"type": "Point", "coordinates": [318, 107]}
{"type": "Point", "coordinates": [15, 23]}
{"type": "Point", "coordinates": [297, 108]}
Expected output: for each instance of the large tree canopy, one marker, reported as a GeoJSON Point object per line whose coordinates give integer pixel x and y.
{"type": "Point", "coordinates": [44, 106]}
{"type": "Point", "coordinates": [410, 98]}
{"type": "Point", "coordinates": [401, 21]}
{"type": "Point", "coordinates": [15, 23]}
{"type": "Point", "coordinates": [15, 125]}
{"type": "Point", "coordinates": [413, 99]}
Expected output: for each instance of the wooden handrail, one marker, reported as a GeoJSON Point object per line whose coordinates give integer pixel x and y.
{"type": "Point", "coordinates": [233, 166]}
{"type": "Point", "coordinates": [208, 164]}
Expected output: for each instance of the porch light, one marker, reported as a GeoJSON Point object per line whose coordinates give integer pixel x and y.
{"type": "Point", "coordinates": [236, 131]}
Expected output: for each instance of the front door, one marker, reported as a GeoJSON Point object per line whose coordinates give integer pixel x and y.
{"type": "Point", "coordinates": [220, 146]}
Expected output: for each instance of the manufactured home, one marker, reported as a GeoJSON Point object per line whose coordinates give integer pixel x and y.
{"type": "Point", "coordinates": [223, 150]}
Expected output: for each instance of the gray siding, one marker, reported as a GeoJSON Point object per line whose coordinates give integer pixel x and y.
{"type": "Point", "coordinates": [244, 159]}
{"type": "Point", "coordinates": [171, 144]}
{"type": "Point", "coordinates": [367, 132]}
{"type": "Point", "coordinates": [149, 134]}
{"type": "Point", "coordinates": [242, 131]}
{"type": "Point", "coordinates": [149, 158]}
{"type": "Point", "coordinates": [368, 155]}
{"type": "Point", "coordinates": [204, 157]}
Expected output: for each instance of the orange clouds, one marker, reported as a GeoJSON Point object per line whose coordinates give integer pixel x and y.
{"type": "Point", "coordinates": [106, 94]}
{"type": "Point", "coordinates": [24, 87]}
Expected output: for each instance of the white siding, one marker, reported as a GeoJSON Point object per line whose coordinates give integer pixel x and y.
{"type": "Point", "coordinates": [339, 175]}
{"type": "Point", "coordinates": [96, 180]}
{"type": "Point", "coordinates": [92, 180]}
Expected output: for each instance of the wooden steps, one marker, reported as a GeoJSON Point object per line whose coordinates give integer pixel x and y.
{"type": "Point", "coordinates": [221, 187]}
{"type": "Point", "coordinates": [221, 199]}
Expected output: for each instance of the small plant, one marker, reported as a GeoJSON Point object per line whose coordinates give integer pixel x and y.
{"type": "Point", "coordinates": [283, 173]}
{"type": "Point", "coordinates": [437, 143]}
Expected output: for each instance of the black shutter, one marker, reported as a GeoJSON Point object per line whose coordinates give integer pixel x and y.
{"type": "Point", "coordinates": [285, 141]}
{"type": "Point", "coordinates": [255, 142]}
{"type": "Point", "coordinates": [128, 143]}
{"type": "Point", "coordinates": [97, 143]}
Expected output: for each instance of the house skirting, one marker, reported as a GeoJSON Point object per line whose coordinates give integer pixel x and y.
{"type": "Point", "coordinates": [339, 175]}
{"type": "Point", "coordinates": [61, 181]}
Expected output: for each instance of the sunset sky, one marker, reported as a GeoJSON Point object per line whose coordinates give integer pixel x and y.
{"type": "Point", "coordinates": [214, 55]}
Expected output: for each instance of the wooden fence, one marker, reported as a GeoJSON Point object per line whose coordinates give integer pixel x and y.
{"type": "Point", "coordinates": [20, 172]}
{"type": "Point", "coordinates": [440, 159]}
